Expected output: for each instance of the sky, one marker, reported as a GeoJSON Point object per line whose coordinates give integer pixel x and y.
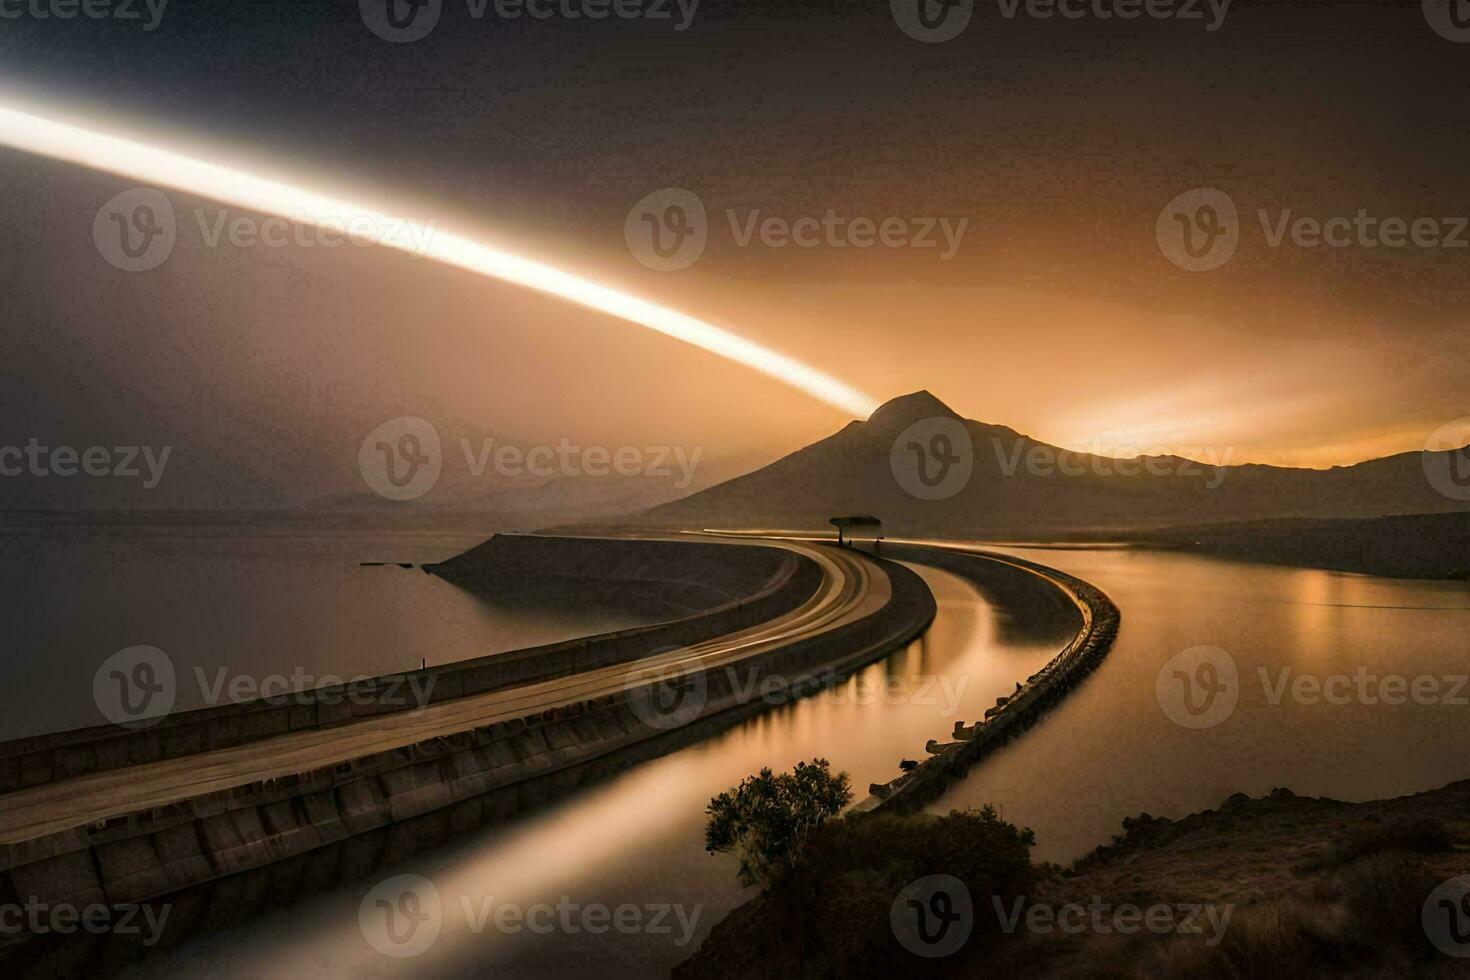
{"type": "Point", "coordinates": [1052, 151]}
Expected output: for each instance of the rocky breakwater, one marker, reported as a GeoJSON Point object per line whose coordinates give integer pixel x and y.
{"type": "Point", "coordinates": [1014, 713]}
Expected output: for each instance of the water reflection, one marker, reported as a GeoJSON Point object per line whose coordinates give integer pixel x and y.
{"type": "Point", "coordinates": [638, 838]}
{"type": "Point", "coordinates": [291, 604]}
{"type": "Point", "coordinates": [1109, 751]}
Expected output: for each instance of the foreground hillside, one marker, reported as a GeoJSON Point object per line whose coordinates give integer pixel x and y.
{"type": "Point", "coordinates": [1283, 886]}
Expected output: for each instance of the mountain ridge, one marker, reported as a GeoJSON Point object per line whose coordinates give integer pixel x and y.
{"type": "Point", "coordinates": [1015, 482]}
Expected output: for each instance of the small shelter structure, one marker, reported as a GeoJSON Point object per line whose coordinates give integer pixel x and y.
{"type": "Point", "coordinates": [848, 527]}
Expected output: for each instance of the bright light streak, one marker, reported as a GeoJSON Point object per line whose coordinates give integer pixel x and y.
{"type": "Point", "coordinates": [156, 166]}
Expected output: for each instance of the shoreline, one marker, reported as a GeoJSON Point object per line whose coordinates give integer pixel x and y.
{"type": "Point", "coordinates": [1433, 546]}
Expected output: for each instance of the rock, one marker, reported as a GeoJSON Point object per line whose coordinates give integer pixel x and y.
{"type": "Point", "coordinates": [908, 765]}
{"type": "Point", "coordinates": [1235, 799]}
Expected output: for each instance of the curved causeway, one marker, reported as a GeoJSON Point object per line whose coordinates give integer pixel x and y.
{"type": "Point", "coordinates": [487, 749]}
{"type": "Point", "coordinates": [1098, 625]}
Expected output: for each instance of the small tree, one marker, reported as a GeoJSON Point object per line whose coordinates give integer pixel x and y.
{"type": "Point", "coordinates": [769, 819]}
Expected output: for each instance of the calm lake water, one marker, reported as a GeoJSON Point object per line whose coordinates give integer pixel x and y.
{"type": "Point", "coordinates": [261, 607]}
{"type": "Point", "coordinates": [1111, 751]}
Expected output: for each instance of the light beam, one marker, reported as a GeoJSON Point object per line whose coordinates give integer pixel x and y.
{"type": "Point", "coordinates": [50, 137]}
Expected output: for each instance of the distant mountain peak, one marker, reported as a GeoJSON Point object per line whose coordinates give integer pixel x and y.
{"type": "Point", "coordinates": [1017, 484]}
{"type": "Point", "coordinates": [910, 408]}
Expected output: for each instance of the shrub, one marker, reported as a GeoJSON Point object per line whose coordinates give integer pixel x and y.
{"type": "Point", "coordinates": [769, 819]}
{"type": "Point", "coordinates": [976, 846]}
{"type": "Point", "coordinates": [834, 908]}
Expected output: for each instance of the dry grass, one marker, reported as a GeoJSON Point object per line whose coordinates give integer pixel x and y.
{"type": "Point", "coordinates": [1417, 836]}
{"type": "Point", "coordinates": [1360, 921]}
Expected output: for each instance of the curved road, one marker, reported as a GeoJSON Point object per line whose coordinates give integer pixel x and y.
{"type": "Point", "coordinates": [851, 589]}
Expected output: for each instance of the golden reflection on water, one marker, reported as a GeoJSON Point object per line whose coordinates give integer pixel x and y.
{"type": "Point", "coordinates": [1106, 752]}
{"type": "Point", "coordinates": [638, 837]}
{"type": "Point", "coordinates": [1109, 751]}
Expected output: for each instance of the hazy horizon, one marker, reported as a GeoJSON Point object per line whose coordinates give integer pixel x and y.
{"type": "Point", "coordinates": [1057, 313]}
